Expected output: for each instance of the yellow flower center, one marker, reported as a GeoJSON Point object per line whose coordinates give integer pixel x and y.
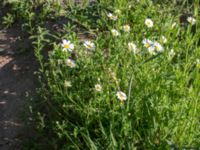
{"type": "Point", "coordinates": [66, 46]}
{"type": "Point", "coordinates": [147, 45]}
{"type": "Point", "coordinates": [121, 96]}
{"type": "Point", "coordinates": [89, 46]}
{"type": "Point", "coordinates": [70, 64]}
{"type": "Point", "coordinates": [126, 28]}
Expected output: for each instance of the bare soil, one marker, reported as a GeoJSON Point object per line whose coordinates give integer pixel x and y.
{"type": "Point", "coordinates": [16, 79]}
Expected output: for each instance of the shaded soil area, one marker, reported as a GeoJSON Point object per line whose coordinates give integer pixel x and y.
{"type": "Point", "coordinates": [16, 80]}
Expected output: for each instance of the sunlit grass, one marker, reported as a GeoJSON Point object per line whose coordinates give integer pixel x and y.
{"type": "Point", "coordinates": [131, 83]}
{"type": "Point", "coordinates": [135, 85]}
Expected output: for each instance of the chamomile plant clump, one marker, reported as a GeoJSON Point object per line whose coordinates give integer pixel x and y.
{"type": "Point", "coordinates": [131, 83]}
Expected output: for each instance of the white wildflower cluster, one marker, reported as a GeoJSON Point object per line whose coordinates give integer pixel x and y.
{"type": "Point", "coordinates": [125, 28]}
{"type": "Point", "coordinates": [89, 45]}
{"type": "Point", "coordinates": [172, 53]}
{"type": "Point", "coordinates": [68, 46]}
{"type": "Point", "coordinates": [149, 23]}
{"type": "Point", "coordinates": [163, 39]}
{"type": "Point", "coordinates": [112, 16]}
{"type": "Point", "coordinates": [174, 25]}
{"type": "Point", "coordinates": [70, 63]}
{"type": "Point", "coordinates": [115, 33]}
{"type": "Point", "coordinates": [153, 47]}
{"type": "Point", "coordinates": [191, 20]}
{"type": "Point", "coordinates": [133, 48]}
{"type": "Point", "coordinates": [121, 96]}
{"type": "Point", "coordinates": [98, 87]}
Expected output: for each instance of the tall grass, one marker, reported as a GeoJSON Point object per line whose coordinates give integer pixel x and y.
{"type": "Point", "coordinates": [121, 93]}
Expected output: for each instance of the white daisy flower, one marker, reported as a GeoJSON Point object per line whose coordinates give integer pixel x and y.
{"type": "Point", "coordinates": [132, 47]}
{"type": "Point", "coordinates": [67, 45]}
{"type": "Point", "coordinates": [126, 28]}
{"type": "Point", "coordinates": [112, 17]}
{"type": "Point", "coordinates": [70, 63]}
{"type": "Point", "coordinates": [172, 53]}
{"type": "Point", "coordinates": [115, 32]}
{"type": "Point", "coordinates": [163, 39]}
{"type": "Point", "coordinates": [158, 47]}
{"type": "Point", "coordinates": [191, 20]}
{"type": "Point", "coordinates": [98, 87]}
{"type": "Point", "coordinates": [152, 50]}
{"type": "Point", "coordinates": [121, 96]}
{"type": "Point", "coordinates": [89, 45]}
{"type": "Point", "coordinates": [147, 43]}
{"type": "Point", "coordinates": [109, 15]}
{"type": "Point", "coordinates": [67, 83]}
{"type": "Point", "coordinates": [150, 46]}
{"type": "Point", "coordinates": [174, 24]}
{"type": "Point", "coordinates": [149, 23]}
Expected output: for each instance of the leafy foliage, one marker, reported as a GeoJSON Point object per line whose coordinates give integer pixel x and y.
{"type": "Point", "coordinates": [110, 80]}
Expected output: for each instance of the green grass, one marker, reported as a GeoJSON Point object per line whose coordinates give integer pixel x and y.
{"type": "Point", "coordinates": [162, 104]}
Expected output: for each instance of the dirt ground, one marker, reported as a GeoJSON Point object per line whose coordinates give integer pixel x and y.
{"type": "Point", "coordinates": [16, 79]}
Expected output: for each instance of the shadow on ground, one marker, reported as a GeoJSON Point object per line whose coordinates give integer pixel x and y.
{"type": "Point", "coordinates": [16, 79]}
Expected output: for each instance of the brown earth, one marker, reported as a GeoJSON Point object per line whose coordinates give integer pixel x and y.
{"type": "Point", "coordinates": [16, 79]}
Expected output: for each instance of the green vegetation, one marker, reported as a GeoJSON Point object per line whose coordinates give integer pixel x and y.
{"type": "Point", "coordinates": [120, 74]}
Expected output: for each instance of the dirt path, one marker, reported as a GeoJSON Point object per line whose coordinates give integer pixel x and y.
{"type": "Point", "coordinates": [16, 78]}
